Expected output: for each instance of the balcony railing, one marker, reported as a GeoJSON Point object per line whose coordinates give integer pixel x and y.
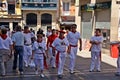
{"type": "Point", "coordinates": [39, 5]}
{"type": "Point", "coordinates": [39, 1]}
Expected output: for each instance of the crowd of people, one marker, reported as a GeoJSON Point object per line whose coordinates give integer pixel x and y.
{"type": "Point", "coordinates": [36, 48]}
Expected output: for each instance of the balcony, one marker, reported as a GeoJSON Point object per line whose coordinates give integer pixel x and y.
{"type": "Point", "coordinates": [37, 5]}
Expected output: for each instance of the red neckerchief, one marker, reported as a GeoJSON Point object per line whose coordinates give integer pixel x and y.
{"type": "Point", "coordinates": [3, 36]}
{"type": "Point", "coordinates": [26, 32]}
{"type": "Point", "coordinates": [74, 31]}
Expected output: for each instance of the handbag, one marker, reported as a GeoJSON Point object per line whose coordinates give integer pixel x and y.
{"type": "Point", "coordinates": [32, 64]}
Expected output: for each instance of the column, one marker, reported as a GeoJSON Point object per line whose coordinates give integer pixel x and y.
{"type": "Point", "coordinates": [11, 26]}
{"type": "Point", "coordinates": [114, 21]}
{"type": "Point", "coordinates": [77, 17]}
{"type": "Point", "coordinates": [38, 20]}
{"type": "Point", "coordinates": [93, 18]}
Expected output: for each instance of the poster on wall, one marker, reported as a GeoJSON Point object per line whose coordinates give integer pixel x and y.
{"type": "Point", "coordinates": [3, 6]}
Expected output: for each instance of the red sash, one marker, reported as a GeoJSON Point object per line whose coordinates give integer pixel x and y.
{"type": "Point", "coordinates": [57, 59]}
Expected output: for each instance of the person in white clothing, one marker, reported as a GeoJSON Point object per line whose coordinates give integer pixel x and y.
{"type": "Point", "coordinates": [61, 45]}
{"type": "Point", "coordinates": [96, 45]}
{"type": "Point", "coordinates": [27, 45]}
{"type": "Point", "coordinates": [73, 37]}
{"type": "Point", "coordinates": [6, 46]}
{"type": "Point", "coordinates": [39, 52]}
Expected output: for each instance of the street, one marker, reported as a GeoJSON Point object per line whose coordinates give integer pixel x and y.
{"type": "Point", "coordinates": [81, 70]}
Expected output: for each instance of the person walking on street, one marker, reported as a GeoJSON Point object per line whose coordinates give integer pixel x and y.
{"type": "Point", "coordinates": [6, 45]}
{"type": "Point", "coordinates": [27, 45]}
{"type": "Point", "coordinates": [96, 45]}
{"type": "Point", "coordinates": [73, 37]}
{"type": "Point", "coordinates": [61, 45]}
{"type": "Point", "coordinates": [52, 55]}
{"type": "Point", "coordinates": [18, 42]}
{"type": "Point", "coordinates": [39, 53]}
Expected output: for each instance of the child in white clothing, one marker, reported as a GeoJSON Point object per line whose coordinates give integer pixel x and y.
{"type": "Point", "coordinates": [39, 51]}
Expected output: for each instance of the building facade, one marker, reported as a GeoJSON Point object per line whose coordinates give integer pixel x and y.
{"type": "Point", "coordinates": [10, 13]}
{"type": "Point", "coordinates": [40, 13]}
{"type": "Point", "coordinates": [67, 13]}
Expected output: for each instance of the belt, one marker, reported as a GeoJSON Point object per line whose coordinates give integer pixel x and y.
{"type": "Point", "coordinates": [39, 53]}
{"type": "Point", "coordinates": [61, 51]}
{"type": "Point", "coordinates": [73, 45]}
{"type": "Point", "coordinates": [27, 44]}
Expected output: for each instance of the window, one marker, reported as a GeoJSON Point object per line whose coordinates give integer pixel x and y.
{"type": "Point", "coordinates": [66, 6]}
{"type": "Point", "coordinates": [11, 8]}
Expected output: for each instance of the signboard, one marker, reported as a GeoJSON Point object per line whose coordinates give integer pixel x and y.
{"type": "Point", "coordinates": [68, 18]}
{"type": "Point", "coordinates": [104, 5]}
{"type": "Point", "coordinates": [90, 7]}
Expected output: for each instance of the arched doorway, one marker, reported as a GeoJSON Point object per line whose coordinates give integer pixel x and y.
{"type": "Point", "coordinates": [46, 19]}
{"type": "Point", "coordinates": [31, 19]}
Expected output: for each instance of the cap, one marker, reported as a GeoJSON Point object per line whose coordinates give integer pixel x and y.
{"type": "Point", "coordinates": [62, 31]}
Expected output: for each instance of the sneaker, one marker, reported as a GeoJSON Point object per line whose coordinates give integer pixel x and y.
{"type": "Point", "coordinates": [42, 75]}
{"type": "Point", "coordinates": [60, 76]}
{"type": "Point", "coordinates": [98, 70]}
{"type": "Point", "coordinates": [26, 65]}
{"type": "Point", "coordinates": [117, 74]}
{"type": "Point", "coordinates": [36, 72]}
{"type": "Point", "coordinates": [91, 70]}
{"type": "Point", "coordinates": [15, 70]}
{"type": "Point", "coordinates": [21, 72]}
{"type": "Point", "coordinates": [72, 72]}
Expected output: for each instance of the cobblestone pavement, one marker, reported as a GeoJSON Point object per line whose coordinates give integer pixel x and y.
{"type": "Point", "coordinates": [81, 70]}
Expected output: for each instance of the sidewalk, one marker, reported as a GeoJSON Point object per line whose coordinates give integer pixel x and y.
{"type": "Point", "coordinates": [106, 58]}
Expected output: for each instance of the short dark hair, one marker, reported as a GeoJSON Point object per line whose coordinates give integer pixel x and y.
{"type": "Point", "coordinates": [26, 27]}
{"type": "Point", "coordinates": [18, 28]}
{"type": "Point", "coordinates": [74, 25]}
{"type": "Point", "coordinates": [98, 30]}
{"type": "Point", "coordinates": [4, 31]}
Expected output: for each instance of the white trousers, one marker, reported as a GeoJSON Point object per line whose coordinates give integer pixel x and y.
{"type": "Point", "coordinates": [27, 54]}
{"type": "Point", "coordinates": [39, 63]}
{"type": "Point", "coordinates": [62, 58]}
{"type": "Point", "coordinates": [95, 60]}
{"type": "Point", "coordinates": [72, 56]}
{"type": "Point", "coordinates": [52, 58]}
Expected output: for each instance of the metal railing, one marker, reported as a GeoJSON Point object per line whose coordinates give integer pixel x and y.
{"type": "Point", "coordinates": [38, 1]}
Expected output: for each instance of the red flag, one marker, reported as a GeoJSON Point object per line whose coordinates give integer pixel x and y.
{"type": "Point", "coordinates": [45, 63]}
{"type": "Point", "coordinates": [57, 59]}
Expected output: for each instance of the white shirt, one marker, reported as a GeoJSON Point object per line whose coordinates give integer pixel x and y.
{"type": "Point", "coordinates": [5, 44]}
{"type": "Point", "coordinates": [73, 38]}
{"type": "Point", "coordinates": [60, 44]}
{"type": "Point", "coordinates": [97, 47]}
{"type": "Point", "coordinates": [18, 38]}
{"type": "Point", "coordinates": [48, 34]}
{"type": "Point", "coordinates": [39, 49]}
{"type": "Point", "coordinates": [28, 37]}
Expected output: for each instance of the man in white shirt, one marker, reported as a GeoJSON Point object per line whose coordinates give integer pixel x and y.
{"type": "Point", "coordinates": [5, 50]}
{"type": "Point", "coordinates": [27, 45]}
{"type": "Point", "coordinates": [96, 45]}
{"type": "Point", "coordinates": [73, 37]}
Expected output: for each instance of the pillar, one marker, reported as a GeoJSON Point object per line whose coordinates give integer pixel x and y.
{"type": "Point", "coordinates": [77, 17]}
{"type": "Point", "coordinates": [114, 21]}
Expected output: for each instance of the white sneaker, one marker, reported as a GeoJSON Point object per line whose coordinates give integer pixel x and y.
{"type": "Point", "coordinates": [26, 65]}
{"type": "Point", "coordinates": [36, 72]}
{"type": "Point", "coordinates": [72, 72]}
{"type": "Point", "coordinates": [42, 75]}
